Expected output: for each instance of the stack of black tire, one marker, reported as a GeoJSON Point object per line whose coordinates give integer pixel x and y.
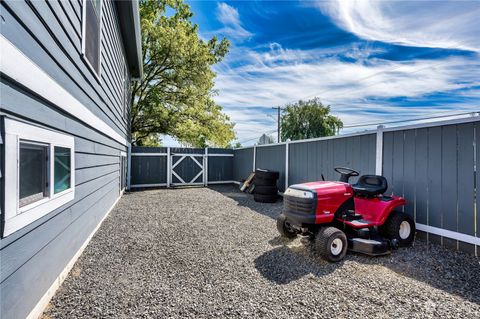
{"type": "Point", "coordinates": [265, 186]}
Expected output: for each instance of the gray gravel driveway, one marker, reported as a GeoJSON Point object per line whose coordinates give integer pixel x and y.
{"type": "Point", "coordinates": [214, 252]}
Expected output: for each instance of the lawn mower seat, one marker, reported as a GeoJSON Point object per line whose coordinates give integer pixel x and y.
{"type": "Point", "coordinates": [370, 185]}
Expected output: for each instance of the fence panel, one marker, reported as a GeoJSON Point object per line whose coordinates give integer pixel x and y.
{"type": "Point", "coordinates": [220, 165]}
{"type": "Point", "coordinates": [187, 166]}
{"type": "Point", "coordinates": [242, 163]}
{"type": "Point", "coordinates": [148, 168]}
{"type": "Point", "coordinates": [409, 173]}
{"type": "Point", "coordinates": [477, 183]}
{"type": "Point", "coordinates": [449, 190]}
{"type": "Point", "coordinates": [465, 168]}
{"type": "Point", "coordinates": [309, 160]}
{"type": "Point", "coordinates": [434, 169]}
{"type": "Point", "coordinates": [272, 158]}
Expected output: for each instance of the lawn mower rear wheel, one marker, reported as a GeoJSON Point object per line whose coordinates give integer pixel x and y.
{"type": "Point", "coordinates": [399, 226]}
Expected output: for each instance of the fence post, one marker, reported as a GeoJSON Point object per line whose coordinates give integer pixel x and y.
{"type": "Point", "coordinates": [286, 164]}
{"type": "Point", "coordinates": [169, 168]}
{"type": "Point", "coordinates": [254, 156]}
{"type": "Point", "coordinates": [205, 167]}
{"type": "Point", "coordinates": [379, 149]}
{"type": "Point", "coordinates": [129, 165]}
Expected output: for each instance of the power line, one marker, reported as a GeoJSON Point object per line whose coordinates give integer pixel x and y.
{"type": "Point", "coordinates": [256, 137]}
{"type": "Point", "coordinates": [383, 123]}
{"type": "Point", "coordinates": [408, 120]}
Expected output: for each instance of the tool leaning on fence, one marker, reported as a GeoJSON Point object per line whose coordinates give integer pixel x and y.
{"type": "Point", "coordinates": [263, 185]}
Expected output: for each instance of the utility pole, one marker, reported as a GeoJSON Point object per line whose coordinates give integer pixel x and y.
{"type": "Point", "coordinates": [278, 108]}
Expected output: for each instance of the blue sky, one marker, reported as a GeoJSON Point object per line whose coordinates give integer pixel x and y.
{"type": "Point", "coordinates": [372, 61]}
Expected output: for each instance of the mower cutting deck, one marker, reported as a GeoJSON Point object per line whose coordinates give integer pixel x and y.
{"type": "Point", "coordinates": [337, 216]}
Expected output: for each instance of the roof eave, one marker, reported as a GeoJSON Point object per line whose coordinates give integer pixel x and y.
{"type": "Point", "coordinates": [129, 18]}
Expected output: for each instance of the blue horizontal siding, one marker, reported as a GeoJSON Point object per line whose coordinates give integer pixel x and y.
{"type": "Point", "coordinates": [50, 47]}
{"type": "Point", "coordinates": [49, 33]}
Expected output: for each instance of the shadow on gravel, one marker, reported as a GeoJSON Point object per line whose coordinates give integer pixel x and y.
{"type": "Point", "coordinates": [246, 200]}
{"type": "Point", "coordinates": [451, 271]}
{"type": "Point", "coordinates": [284, 264]}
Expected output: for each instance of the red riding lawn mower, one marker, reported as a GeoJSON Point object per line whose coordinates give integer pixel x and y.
{"type": "Point", "coordinates": [337, 216]}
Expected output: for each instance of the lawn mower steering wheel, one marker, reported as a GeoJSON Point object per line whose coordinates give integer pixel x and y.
{"type": "Point", "coordinates": [346, 173]}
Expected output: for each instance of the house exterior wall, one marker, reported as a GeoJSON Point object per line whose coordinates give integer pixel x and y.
{"type": "Point", "coordinates": [49, 34]}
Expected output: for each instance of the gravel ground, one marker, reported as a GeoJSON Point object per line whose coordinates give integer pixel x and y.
{"type": "Point", "coordinates": [214, 252]}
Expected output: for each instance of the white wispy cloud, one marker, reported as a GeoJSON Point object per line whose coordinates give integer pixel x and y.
{"type": "Point", "coordinates": [230, 18]}
{"type": "Point", "coordinates": [252, 80]}
{"type": "Point", "coordinates": [260, 82]}
{"type": "Point", "coordinates": [278, 76]}
{"type": "Point", "coordinates": [437, 24]}
{"type": "Point", "coordinates": [251, 122]}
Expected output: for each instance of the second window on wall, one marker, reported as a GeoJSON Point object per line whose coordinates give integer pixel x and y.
{"type": "Point", "coordinates": [91, 39]}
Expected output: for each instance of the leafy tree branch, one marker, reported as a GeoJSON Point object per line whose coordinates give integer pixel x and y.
{"type": "Point", "coordinates": [175, 96]}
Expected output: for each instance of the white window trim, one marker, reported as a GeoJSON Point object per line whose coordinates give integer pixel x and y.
{"type": "Point", "coordinates": [123, 161]}
{"type": "Point", "coordinates": [18, 217]}
{"type": "Point", "coordinates": [84, 58]}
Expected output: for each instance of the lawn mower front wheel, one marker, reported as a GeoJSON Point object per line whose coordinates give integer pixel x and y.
{"type": "Point", "coordinates": [331, 243]}
{"type": "Point", "coordinates": [284, 228]}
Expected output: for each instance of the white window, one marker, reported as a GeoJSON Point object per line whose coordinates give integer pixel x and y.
{"type": "Point", "coordinates": [91, 34]}
{"type": "Point", "coordinates": [39, 173]}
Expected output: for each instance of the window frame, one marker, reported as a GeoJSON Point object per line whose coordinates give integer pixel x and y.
{"type": "Point", "coordinates": [46, 172]}
{"type": "Point", "coordinates": [84, 57]}
{"type": "Point", "coordinates": [54, 147]}
{"type": "Point", "coordinates": [16, 132]}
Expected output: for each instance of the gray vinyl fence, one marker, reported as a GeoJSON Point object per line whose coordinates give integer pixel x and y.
{"type": "Point", "coordinates": [434, 168]}
{"type": "Point", "coordinates": [176, 166]}
{"type": "Point", "coordinates": [432, 165]}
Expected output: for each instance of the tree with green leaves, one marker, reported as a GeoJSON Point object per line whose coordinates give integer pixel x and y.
{"type": "Point", "coordinates": [175, 96]}
{"type": "Point", "coordinates": [308, 119]}
{"type": "Point", "coordinates": [236, 145]}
